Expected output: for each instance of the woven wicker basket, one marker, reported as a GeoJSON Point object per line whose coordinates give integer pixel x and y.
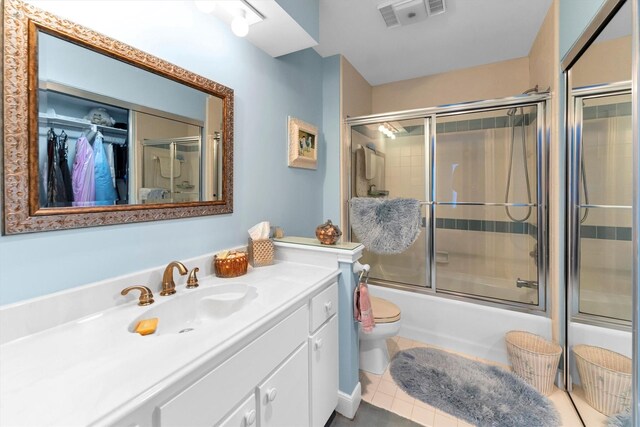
{"type": "Point", "coordinates": [606, 378]}
{"type": "Point", "coordinates": [534, 359]}
{"type": "Point", "coordinates": [260, 252]}
{"type": "Point", "coordinates": [234, 266]}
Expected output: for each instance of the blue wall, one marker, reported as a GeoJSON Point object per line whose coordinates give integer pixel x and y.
{"type": "Point", "coordinates": [331, 130]}
{"type": "Point", "coordinates": [267, 90]}
{"type": "Point", "coordinates": [575, 15]}
{"type": "Point", "coordinates": [306, 13]}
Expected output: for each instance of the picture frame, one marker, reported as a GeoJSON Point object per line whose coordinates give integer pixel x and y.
{"type": "Point", "coordinates": [303, 144]}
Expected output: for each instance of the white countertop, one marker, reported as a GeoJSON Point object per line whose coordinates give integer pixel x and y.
{"type": "Point", "coordinates": [94, 370]}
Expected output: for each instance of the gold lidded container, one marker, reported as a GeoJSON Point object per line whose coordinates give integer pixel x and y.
{"type": "Point", "coordinates": [233, 265]}
{"type": "Point", "coordinates": [328, 233]}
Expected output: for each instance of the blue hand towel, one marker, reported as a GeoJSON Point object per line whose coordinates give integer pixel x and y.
{"type": "Point", "coordinates": [386, 226]}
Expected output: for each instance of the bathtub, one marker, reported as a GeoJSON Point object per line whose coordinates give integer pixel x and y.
{"type": "Point", "coordinates": [453, 281]}
{"type": "Point", "coordinates": [491, 287]}
{"type": "Point", "coordinates": [465, 327]}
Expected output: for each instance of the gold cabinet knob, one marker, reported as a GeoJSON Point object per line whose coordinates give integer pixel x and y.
{"type": "Point", "coordinates": [146, 296]}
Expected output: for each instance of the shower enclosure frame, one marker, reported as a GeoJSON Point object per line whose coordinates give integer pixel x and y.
{"type": "Point", "coordinates": [574, 169]}
{"type": "Point", "coordinates": [430, 116]}
{"type": "Point", "coordinates": [173, 142]}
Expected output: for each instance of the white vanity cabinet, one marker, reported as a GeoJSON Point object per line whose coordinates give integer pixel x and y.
{"type": "Point", "coordinates": [284, 396]}
{"type": "Point", "coordinates": [287, 376]}
{"type": "Point", "coordinates": [208, 400]}
{"type": "Point", "coordinates": [323, 355]}
{"type": "Point", "coordinates": [246, 415]}
{"type": "Point", "coordinates": [280, 400]}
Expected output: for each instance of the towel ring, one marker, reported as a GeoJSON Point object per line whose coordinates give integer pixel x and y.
{"type": "Point", "coordinates": [364, 273]}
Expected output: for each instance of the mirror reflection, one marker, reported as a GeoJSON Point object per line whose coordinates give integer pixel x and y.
{"type": "Point", "coordinates": [601, 285]}
{"type": "Point", "coordinates": [121, 136]}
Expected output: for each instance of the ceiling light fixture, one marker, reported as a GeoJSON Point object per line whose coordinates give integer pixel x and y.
{"type": "Point", "coordinates": [240, 15]}
{"type": "Point", "coordinates": [239, 25]}
{"type": "Point", "coordinates": [388, 130]}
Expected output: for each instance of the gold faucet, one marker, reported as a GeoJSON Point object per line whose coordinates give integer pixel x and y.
{"type": "Point", "coordinates": [168, 285]}
{"type": "Point", "coordinates": [146, 296]}
{"type": "Point", "coordinates": [192, 280]}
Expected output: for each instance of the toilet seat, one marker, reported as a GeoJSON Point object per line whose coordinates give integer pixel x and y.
{"type": "Point", "coordinates": [384, 311]}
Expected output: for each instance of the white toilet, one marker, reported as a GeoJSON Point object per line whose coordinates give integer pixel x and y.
{"type": "Point", "coordinates": [374, 356]}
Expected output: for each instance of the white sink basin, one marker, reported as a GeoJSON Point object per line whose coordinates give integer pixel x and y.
{"type": "Point", "coordinates": [187, 311]}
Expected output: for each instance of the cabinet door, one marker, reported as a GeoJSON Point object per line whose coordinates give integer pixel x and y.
{"type": "Point", "coordinates": [211, 397]}
{"type": "Point", "coordinates": [244, 416]}
{"type": "Point", "coordinates": [323, 352]}
{"type": "Point", "coordinates": [284, 396]}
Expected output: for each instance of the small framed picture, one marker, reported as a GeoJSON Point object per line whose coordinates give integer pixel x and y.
{"type": "Point", "coordinates": [303, 144]}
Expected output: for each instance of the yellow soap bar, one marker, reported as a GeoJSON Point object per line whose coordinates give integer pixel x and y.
{"type": "Point", "coordinates": [223, 254]}
{"type": "Point", "coordinates": [147, 326]}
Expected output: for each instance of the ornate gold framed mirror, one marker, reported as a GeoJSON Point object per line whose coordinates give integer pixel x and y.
{"type": "Point", "coordinates": [97, 132]}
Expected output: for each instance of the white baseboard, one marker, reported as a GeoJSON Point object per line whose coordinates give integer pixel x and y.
{"type": "Point", "coordinates": [348, 404]}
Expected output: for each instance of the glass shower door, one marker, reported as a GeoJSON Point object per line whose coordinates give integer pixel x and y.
{"type": "Point", "coordinates": [602, 288]}
{"type": "Point", "coordinates": [388, 160]}
{"type": "Point", "coordinates": [171, 170]}
{"type": "Point", "coordinates": [488, 193]}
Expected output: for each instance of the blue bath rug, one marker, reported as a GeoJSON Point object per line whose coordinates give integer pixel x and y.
{"type": "Point", "coordinates": [386, 226]}
{"type": "Point", "coordinates": [480, 394]}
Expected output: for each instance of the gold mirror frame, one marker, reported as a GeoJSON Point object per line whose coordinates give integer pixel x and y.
{"type": "Point", "coordinates": [22, 213]}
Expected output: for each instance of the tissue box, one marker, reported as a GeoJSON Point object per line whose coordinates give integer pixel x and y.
{"type": "Point", "coordinates": [260, 252]}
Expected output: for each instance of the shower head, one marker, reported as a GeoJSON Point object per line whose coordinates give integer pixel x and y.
{"type": "Point", "coordinates": [513, 110]}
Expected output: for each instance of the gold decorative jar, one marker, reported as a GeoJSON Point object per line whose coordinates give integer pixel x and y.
{"type": "Point", "coordinates": [327, 233]}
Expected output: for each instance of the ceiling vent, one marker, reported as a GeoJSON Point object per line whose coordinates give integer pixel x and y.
{"type": "Point", "coordinates": [406, 12]}
{"type": "Point", "coordinates": [389, 15]}
{"type": "Point", "coordinates": [435, 7]}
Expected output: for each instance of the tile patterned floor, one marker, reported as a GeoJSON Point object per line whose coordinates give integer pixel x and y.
{"type": "Point", "coordinates": [590, 416]}
{"type": "Point", "coordinates": [382, 391]}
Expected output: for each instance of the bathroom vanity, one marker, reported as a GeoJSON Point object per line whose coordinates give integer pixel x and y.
{"type": "Point", "coordinates": [257, 349]}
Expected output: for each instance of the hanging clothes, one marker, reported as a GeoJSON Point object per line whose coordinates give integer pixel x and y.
{"type": "Point", "coordinates": [105, 191]}
{"type": "Point", "coordinates": [56, 193]}
{"type": "Point", "coordinates": [83, 178]}
{"type": "Point", "coordinates": [63, 150]}
{"type": "Point", "coordinates": [111, 159]}
{"type": "Point", "coordinates": [120, 153]}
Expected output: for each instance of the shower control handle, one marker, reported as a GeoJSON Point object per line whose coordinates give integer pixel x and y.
{"type": "Point", "coordinates": [521, 283]}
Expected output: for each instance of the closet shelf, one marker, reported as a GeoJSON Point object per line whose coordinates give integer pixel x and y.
{"type": "Point", "coordinates": [77, 123]}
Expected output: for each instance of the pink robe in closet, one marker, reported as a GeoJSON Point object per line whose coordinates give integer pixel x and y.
{"type": "Point", "coordinates": [83, 176]}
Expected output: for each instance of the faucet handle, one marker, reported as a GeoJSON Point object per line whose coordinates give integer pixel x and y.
{"type": "Point", "coordinates": [146, 296]}
{"type": "Point", "coordinates": [192, 280]}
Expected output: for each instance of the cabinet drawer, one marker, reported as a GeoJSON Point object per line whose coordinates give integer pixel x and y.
{"type": "Point", "coordinates": [215, 394]}
{"type": "Point", "coordinates": [244, 416]}
{"type": "Point", "coordinates": [284, 396]}
{"type": "Point", "coordinates": [323, 369]}
{"type": "Point", "coordinates": [323, 306]}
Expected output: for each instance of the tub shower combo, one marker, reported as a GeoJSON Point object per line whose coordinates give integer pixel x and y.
{"type": "Point", "coordinates": [479, 170]}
